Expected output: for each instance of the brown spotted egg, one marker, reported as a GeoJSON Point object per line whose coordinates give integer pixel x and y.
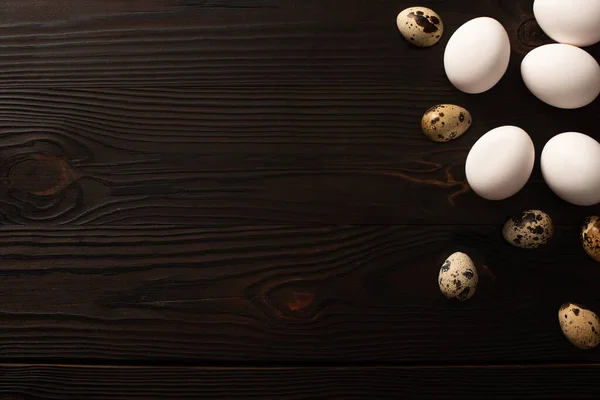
{"type": "Point", "coordinates": [529, 230]}
{"type": "Point", "coordinates": [590, 237]}
{"type": "Point", "coordinates": [458, 277]}
{"type": "Point", "coordinates": [421, 26]}
{"type": "Point", "coordinates": [445, 122]}
{"type": "Point", "coordinates": [580, 325]}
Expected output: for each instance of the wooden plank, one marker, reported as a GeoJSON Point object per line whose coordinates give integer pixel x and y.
{"type": "Point", "coordinates": [92, 43]}
{"type": "Point", "coordinates": [324, 154]}
{"type": "Point", "coordinates": [36, 382]}
{"type": "Point", "coordinates": [284, 294]}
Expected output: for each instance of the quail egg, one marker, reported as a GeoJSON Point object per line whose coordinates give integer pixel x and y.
{"type": "Point", "coordinates": [445, 122]}
{"type": "Point", "coordinates": [458, 277]}
{"type": "Point", "coordinates": [528, 230]}
{"type": "Point", "coordinates": [421, 26]}
{"type": "Point", "coordinates": [590, 236]}
{"type": "Point", "coordinates": [580, 325]}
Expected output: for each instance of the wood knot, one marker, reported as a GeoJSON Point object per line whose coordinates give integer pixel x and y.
{"type": "Point", "coordinates": [300, 301]}
{"type": "Point", "coordinates": [531, 34]}
{"type": "Point", "coordinates": [294, 303]}
{"type": "Point", "coordinates": [40, 174]}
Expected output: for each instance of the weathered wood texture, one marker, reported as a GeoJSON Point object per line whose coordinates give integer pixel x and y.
{"type": "Point", "coordinates": [37, 382]}
{"type": "Point", "coordinates": [232, 42]}
{"type": "Point", "coordinates": [249, 112]}
{"type": "Point", "coordinates": [284, 294]}
{"type": "Point", "coordinates": [243, 182]}
{"type": "Point", "coordinates": [256, 155]}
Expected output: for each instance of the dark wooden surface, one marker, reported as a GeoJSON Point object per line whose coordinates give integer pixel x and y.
{"type": "Point", "coordinates": [233, 199]}
{"type": "Point", "coordinates": [349, 294]}
{"type": "Point", "coordinates": [37, 382]}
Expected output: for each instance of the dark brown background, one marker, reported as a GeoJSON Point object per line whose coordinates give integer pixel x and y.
{"type": "Point", "coordinates": [232, 199]}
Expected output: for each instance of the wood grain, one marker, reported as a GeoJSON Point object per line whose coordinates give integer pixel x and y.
{"type": "Point", "coordinates": [193, 156]}
{"type": "Point", "coordinates": [243, 183]}
{"type": "Point", "coordinates": [36, 382]}
{"type": "Point", "coordinates": [207, 42]}
{"type": "Point", "coordinates": [283, 294]}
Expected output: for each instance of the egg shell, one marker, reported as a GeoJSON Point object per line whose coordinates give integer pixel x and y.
{"type": "Point", "coordinates": [575, 22]}
{"type": "Point", "coordinates": [529, 230]}
{"type": "Point", "coordinates": [421, 26]}
{"type": "Point", "coordinates": [590, 237]}
{"type": "Point", "coordinates": [458, 277]}
{"type": "Point", "coordinates": [561, 75]}
{"type": "Point", "coordinates": [571, 168]}
{"type": "Point", "coordinates": [580, 325]}
{"type": "Point", "coordinates": [445, 122]}
{"type": "Point", "coordinates": [500, 163]}
{"type": "Point", "coordinates": [477, 55]}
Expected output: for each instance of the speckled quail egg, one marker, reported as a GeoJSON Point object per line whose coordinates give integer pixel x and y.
{"type": "Point", "coordinates": [590, 237]}
{"type": "Point", "coordinates": [421, 26]}
{"type": "Point", "coordinates": [445, 122]}
{"type": "Point", "coordinates": [458, 277]}
{"type": "Point", "coordinates": [580, 325]}
{"type": "Point", "coordinates": [528, 230]}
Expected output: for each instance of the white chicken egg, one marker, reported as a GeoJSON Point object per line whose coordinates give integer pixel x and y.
{"type": "Point", "coordinates": [500, 163]}
{"type": "Point", "coordinates": [571, 168]}
{"type": "Point", "coordinates": [477, 55]}
{"type": "Point", "coordinates": [562, 75]}
{"type": "Point", "coordinates": [575, 22]}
